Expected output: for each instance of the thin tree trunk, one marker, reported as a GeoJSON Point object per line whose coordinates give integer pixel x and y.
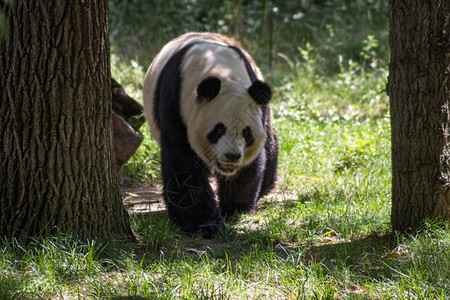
{"type": "Point", "coordinates": [56, 145]}
{"type": "Point", "coordinates": [419, 91]}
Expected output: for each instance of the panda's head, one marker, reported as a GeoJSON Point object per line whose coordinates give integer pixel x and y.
{"type": "Point", "coordinates": [226, 127]}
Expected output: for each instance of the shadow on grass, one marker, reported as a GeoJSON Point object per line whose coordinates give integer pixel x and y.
{"type": "Point", "coordinates": [380, 257]}
{"type": "Point", "coordinates": [421, 260]}
{"type": "Point", "coordinates": [364, 255]}
{"type": "Point", "coordinates": [164, 237]}
{"type": "Point", "coordinates": [9, 287]}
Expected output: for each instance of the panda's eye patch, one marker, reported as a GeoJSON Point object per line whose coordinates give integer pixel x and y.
{"type": "Point", "coordinates": [248, 136]}
{"type": "Point", "coordinates": [216, 133]}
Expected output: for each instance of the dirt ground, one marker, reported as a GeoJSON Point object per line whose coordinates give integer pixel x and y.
{"type": "Point", "coordinates": [146, 199]}
{"type": "Point", "coordinates": [143, 199]}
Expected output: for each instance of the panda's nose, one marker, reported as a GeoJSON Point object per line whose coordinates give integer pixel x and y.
{"type": "Point", "coordinates": [231, 157]}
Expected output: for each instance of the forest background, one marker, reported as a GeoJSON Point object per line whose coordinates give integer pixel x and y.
{"type": "Point", "coordinates": [325, 233]}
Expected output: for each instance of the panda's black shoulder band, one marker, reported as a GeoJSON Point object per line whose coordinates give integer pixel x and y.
{"type": "Point", "coordinates": [260, 92]}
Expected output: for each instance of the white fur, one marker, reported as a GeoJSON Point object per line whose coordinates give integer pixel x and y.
{"type": "Point", "coordinates": [233, 106]}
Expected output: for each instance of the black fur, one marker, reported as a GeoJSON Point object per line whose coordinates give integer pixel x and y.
{"type": "Point", "coordinates": [260, 92]}
{"type": "Point", "coordinates": [208, 89]}
{"type": "Point", "coordinates": [188, 194]}
{"type": "Point", "coordinates": [168, 88]}
{"type": "Point", "coordinates": [248, 136]}
{"type": "Point", "coordinates": [218, 131]}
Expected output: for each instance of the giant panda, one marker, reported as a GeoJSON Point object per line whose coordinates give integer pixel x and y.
{"type": "Point", "coordinates": [208, 107]}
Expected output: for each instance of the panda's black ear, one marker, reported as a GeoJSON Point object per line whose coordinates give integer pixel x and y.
{"type": "Point", "coordinates": [260, 92]}
{"type": "Point", "coordinates": [208, 89]}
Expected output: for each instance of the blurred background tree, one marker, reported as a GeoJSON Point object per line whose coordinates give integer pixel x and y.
{"type": "Point", "coordinates": [335, 30]}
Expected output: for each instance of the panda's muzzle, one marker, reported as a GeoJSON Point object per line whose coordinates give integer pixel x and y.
{"type": "Point", "coordinates": [230, 165]}
{"type": "Point", "coordinates": [227, 167]}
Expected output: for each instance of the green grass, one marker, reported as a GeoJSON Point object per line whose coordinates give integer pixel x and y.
{"type": "Point", "coordinates": [242, 264]}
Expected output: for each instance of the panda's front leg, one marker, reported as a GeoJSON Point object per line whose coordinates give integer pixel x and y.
{"type": "Point", "coordinates": [187, 192]}
{"type": "Point", "coordinates": [239, 194]}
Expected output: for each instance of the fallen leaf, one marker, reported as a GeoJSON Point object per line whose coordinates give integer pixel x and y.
{"type": "Point", "coordinates": [356, 289]}
{"type": "Point", "coordinates": [313, 258]}
{"type": "Point", "coordinates": [331, 233]}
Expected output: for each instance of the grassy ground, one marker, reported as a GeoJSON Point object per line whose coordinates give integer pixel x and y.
{"type": "Point", "coordinates": [323, 234]}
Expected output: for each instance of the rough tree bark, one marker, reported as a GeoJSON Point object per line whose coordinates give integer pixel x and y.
{"type": "Point", "coordinates": [56, 145]}
{"type": "Point", "coordinates": [419, 91]}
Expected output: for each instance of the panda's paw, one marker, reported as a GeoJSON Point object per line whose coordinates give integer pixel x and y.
{"type": "Point", "coordinates": [232, 212]}
{"type": "Point", "coordinates": [208, 229]}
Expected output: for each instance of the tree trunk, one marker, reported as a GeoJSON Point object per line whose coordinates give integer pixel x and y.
{"type": "Point", "coordinates": [419, 91]}
{"type": "Point", "coordinates": [56, 146]}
